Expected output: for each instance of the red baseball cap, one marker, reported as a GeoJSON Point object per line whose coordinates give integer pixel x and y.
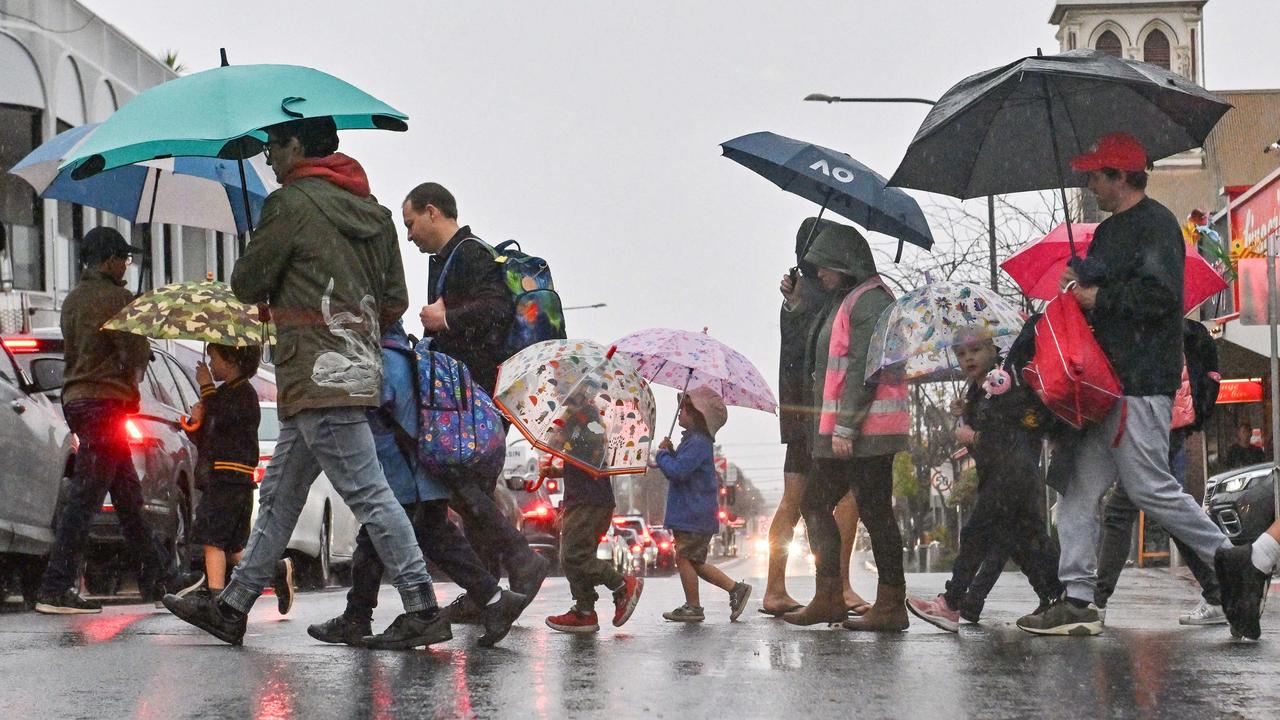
{"type": "Point", "coordinates": [1118, 150]}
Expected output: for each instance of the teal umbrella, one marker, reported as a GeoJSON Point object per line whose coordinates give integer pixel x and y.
{"type": "Point", "coordinates": [221, 112]}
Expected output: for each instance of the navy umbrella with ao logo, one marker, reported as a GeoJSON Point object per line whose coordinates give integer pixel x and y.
{"type": "Point", "coordinates": [835, 181]}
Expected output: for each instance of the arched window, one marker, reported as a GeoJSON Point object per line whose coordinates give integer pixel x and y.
{"type": "Point", "coordinates": [1155, 49]}
{"type": "Point", "coordinates": [1110, 44]}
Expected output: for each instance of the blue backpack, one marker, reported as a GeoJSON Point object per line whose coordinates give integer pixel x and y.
{"type": "Point", "coordinates": [538, 313]}
{"type": "Point", "coordinates": [459, 426]}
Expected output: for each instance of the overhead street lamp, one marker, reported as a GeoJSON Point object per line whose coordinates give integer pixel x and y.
{"type": "Point", "coordinates": [991, 200]}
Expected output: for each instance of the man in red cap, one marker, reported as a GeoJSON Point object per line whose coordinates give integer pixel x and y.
{"type": "Point", "coordinates": [1130, 285]}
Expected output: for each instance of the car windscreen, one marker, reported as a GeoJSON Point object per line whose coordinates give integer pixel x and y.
{"type": "Point", "coordinates": [269, 425]}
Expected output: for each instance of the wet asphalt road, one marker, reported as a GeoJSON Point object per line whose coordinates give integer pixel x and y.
{"type": "Point", "coordinates": [134, 661]}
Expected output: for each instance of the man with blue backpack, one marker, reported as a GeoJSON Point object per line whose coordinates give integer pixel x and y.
{"type": "Point", "coordinates": [469, 316]}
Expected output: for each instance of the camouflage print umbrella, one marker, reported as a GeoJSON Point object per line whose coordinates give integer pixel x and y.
{"type": "Point", "coordinates": [206, 311]}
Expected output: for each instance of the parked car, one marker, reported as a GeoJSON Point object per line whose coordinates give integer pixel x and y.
{"type": "Point", "coordinates": [1242, 502]}
{"type": "Point", "coordinates": [665, 543]}
{"type": "Point", "coordinates": [31, 427]}
{"type": "Point", "coordinates": [538, 522]}
{"type": "Point", "coordinates": [638, 525]}
{"type": "Point", "coordinates": [635, 547]}
{"type": "Point", "coordinates": [163, 456]}
{"type": "Point", "coordinates": [324, 539]}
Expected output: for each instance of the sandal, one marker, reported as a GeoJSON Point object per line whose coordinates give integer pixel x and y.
{"type": "Point", "coordinates": [779, 612]}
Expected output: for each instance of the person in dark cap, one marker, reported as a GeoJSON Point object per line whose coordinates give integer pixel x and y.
{"type": "Point", "coordinates": [100, 388]}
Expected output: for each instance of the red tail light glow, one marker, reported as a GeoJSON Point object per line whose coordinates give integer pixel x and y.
{"type": "Point", "coordinates": [133, 432]}
{"type": "Point", "coordinates": [553, 486]}
{"type": "Point", "coordinates": [22, 345]}
{"type": "Point", "coordinates": [540, 512]}
{"type": "Point", "coordinates": [635, 549]}
{"type": "Point", "coordinates": [664, 545]}
{"type": "Point", "coordinates": [724, 515]}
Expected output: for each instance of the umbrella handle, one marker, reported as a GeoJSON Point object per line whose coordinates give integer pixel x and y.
{"type": "Point", "coordinates": [814, 230]}
{"type": "Point", "coordinates": [682, 391]}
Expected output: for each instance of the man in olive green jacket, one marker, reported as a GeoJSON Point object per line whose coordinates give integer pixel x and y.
{"type": "Point", "coordinates": [100, 389]}
{"type": "Point", "coordinates": [324, 257]}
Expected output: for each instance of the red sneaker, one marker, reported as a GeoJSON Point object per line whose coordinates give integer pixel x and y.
{"type": "Point", "coordinates": [936, 612]}
{"type": "Point", "coordinates": [625, 599]}
{"type": "Point", "coordinates": [575, 622]}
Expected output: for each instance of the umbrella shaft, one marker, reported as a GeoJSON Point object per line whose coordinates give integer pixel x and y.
{"type": "Point", "coordinates": [1057, 164]}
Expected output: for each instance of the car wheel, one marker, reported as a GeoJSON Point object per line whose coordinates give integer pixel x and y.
{"type": "Point", "coordinates": [317, 571]}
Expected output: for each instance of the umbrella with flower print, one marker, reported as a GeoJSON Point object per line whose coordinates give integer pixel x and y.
{"type": "Point", "coordinates": [579, 401]}
{"type": "Point", "coordinates": [205, 311]}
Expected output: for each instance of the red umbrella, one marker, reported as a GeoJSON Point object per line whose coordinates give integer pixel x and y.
{"type": "Point", "coordinates": [1037, 266]}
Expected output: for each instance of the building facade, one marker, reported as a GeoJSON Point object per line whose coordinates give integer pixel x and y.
{"type": "Point", "coordinates": [63, 66]}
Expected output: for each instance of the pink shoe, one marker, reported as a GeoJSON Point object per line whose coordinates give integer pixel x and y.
{"type": "Point", "coordinates": [936, 612]}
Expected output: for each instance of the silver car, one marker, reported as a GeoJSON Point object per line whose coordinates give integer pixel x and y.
{"type": "Point", "coordinates": [36, 453]}
{"type": "Point", "coordinates": [325, 536]}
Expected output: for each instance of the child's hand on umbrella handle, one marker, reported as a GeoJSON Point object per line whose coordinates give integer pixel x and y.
{"type": "Point", "coordinates": [788, 285]}
{"type": "Point", "coordinates": [666, 444]}
{"type": "Point", "coordinates": [957, 407]}
{"type": "Point", "coordinates": [203, 375]}
{"type": "Point", "coordinates": [965, 435]}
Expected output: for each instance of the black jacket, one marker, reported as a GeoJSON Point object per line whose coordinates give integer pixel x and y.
{"type": "Point", "coordinates": [478, 306]}
{"type": "Point", "coordinates": [227, 438]}
{"type": "Point", "coordinates": [1136, 260]}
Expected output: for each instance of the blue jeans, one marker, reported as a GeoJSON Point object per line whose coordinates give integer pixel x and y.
{"type": "Point", "coordinates": [339, 442]}
{"type": "Point", "coordinates": [104, 463]}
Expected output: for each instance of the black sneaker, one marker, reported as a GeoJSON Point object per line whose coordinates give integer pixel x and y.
{"type": "Point", "coordinates": [68, 602]}
{"type": "Point", "coordinates": [527, 579]}
{"type": "Point", "coordinates": [462, 612]}
{"type": "Point", "coordinates": [738, 597]}
{"type": "Point", "coordinates": [341, 630]}
{"type": "Point", "coordinates": [1243, 588]}
{"type": "Point", "coordinates": [1063, 618]}
{"type": "Point", "coordinates": [210, 615]}
{"type": "Point", "coordinates": [498, 617]}
{"type": "Point", "coordinates": [411, 630]}
{"type": "Point", "coordinates": [971, 609]}
{"type": "Point", "coordinates": [282, 585]}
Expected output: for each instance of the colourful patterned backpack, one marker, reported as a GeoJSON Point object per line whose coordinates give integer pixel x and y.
{"type": "Point", "coordinates": [459, 425]}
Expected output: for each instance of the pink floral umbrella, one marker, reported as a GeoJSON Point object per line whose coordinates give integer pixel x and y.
{"type": "Point", "coordinates": [682, 359]}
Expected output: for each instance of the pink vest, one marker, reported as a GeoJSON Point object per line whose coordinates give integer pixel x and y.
{"type": "Point", "coordinates": [888, 414]}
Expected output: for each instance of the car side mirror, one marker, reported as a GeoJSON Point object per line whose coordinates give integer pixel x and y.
{"type": "Point", "coordinates": [46, 373]}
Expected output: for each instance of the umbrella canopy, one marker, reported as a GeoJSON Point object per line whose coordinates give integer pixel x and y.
{"type": "Point", "coordinates": [833, 180]}
{"type": "Point", "coordinates": [683, 360]}
{"type": "Point", "coordinates": [206, 311]}
{"type": "Point", "coordinates": [579, 401]}
{"type": "Point", "coordinates": [193, 191]}
{"type": "Point", "coordinates": [1016, 128]}
{"type": "Point", "coordinates": [218, 113]}
{"type": "Point", "coordinates": [1038, 265]}
{"type": "Point", "coordinates": [914, 336]}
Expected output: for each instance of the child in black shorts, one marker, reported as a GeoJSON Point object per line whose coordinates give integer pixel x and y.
{"type": "Point", "coordinates": [224, 427]}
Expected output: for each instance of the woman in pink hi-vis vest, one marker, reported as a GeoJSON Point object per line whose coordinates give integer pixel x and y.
{"type": "Point", "coordinates": [858, 428]}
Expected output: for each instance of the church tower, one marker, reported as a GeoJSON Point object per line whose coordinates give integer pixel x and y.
{"type": "Point", "coordinates": [1168, 33]}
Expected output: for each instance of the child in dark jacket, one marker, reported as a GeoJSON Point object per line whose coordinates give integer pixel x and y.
{"type": "Point", "coordinates": [588, 513]}
{"type": "Point", "coordinates": [693, 505]}
{"type": "Point", "coordinates": [224, 427]}
{"type": "Point", "coordinates": [1001, 429]}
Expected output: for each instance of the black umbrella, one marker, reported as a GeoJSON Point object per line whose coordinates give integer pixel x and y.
{"type": "Point", "coordinates": [1016, 128]}
{"type": "Point", "coordinates": [835, 181]}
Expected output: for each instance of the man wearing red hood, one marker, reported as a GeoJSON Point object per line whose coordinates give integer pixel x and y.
{"type": "Point", "coordinates": [325, 258]}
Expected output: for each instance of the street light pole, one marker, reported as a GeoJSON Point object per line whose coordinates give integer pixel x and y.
{"type": "Point", "coordinates": [991, 201]}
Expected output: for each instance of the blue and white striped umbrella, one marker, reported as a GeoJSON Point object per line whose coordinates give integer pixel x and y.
{"type": "Point", "coordinates": [193, 191]}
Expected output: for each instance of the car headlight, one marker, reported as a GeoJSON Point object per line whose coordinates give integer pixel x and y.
{"type": "Point", "coordinates": [1236, 484]}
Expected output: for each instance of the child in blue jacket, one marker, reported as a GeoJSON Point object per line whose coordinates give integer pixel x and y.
{"type": "Point", "coordinates": [693, 503]}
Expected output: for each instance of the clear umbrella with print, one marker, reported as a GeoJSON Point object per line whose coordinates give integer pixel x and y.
{"type": "Point", "coordinates": [580, 401]}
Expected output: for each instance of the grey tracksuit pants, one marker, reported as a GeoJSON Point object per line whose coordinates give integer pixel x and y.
{"type": "Point", "coordinates": [1139, 462]}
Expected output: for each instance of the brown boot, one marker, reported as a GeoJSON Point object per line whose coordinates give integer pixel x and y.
{"type": "Point", "coordinates": [827, 605]}
{"type": "Point", "coordinates": [888, 614]}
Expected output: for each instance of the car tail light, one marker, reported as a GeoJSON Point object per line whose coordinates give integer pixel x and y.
{"type": "Point", "coordinates": [540, 512]}
{"type": "Point", "coordinates": [635, 549]}
{"type": "Point", "coordinates": [604, 537]}
{"type": "Point", "coordinates": [724, 515]}
{"type": "Point", "coordinates": [22, 345]}
{"type": "Point", "coordinates": [553, 486]}
{"type": "Point", "coordinates": [664, 545]}
{"type": "Point", "coordinates": [261, 469]}
{"type": "Point", "coordinates": [648, 539]}
{"type": "Point", "coordinates": [133, 432]}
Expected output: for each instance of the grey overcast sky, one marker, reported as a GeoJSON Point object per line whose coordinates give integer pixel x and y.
{"type": "Point", "coordinates": [589, 130]}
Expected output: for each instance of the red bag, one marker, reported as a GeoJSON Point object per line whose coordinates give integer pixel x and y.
{"type": "Point", "coordinates": [1069, 370]}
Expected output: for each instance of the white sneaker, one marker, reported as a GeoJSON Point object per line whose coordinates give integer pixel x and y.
{"type": "Point", "coordinates": [1102, 615]}
{"type": "Point", "coordinates": [1204, 614]}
